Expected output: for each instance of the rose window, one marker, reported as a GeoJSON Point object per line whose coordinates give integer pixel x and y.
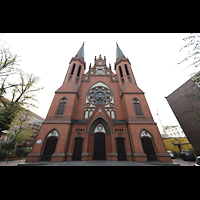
{"type": "Point", "coordinates": [99, 94]}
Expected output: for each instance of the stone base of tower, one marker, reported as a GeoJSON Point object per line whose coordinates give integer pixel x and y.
{"type": "Point", "coordinates": [33, 157]}
{"type": "Point", "coordinates": [140, 157]}
{"type": "Point", "coordinates": [163, 157]}
{"type": "Point", "coordinates": [58, 157]}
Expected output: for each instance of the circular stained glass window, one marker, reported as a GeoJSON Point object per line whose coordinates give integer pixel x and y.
{"type": "Point", "coordinates": [99, 95]}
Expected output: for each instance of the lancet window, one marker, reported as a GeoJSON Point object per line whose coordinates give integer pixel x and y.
{"type": "Point", "coordinates": [62, 105]}
{"type": "Point", "coordinates": [136, 104]}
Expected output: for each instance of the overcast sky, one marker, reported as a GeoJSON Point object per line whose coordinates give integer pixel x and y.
{"type": "Point", "coordinates": [153, 58]}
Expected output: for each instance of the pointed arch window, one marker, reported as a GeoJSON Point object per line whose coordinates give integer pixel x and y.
{"type": "Point", "coordinates": [126, 70]}
{"type": "Point", "coordinates": [78, 74]}
{"type": "Point", "coordinates": [72, 72]}
{"type": "Point", "coordinates": [73, 69]}
{"type": "Point", "coordinates": [127, 73]}
{"type": "Point", "coordinates": [79, 70]}
{"type": "Point", "coordinates": [62, 105]}
{"type": "Point", "coordinates": [121, 75]}
{"type": "Point", "coordinates": [120, 71]}
{"type": "Point", "coordinates": [136, 104]}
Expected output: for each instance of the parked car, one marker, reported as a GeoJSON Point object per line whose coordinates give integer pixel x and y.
{"type": "Point", "coordinates": [197, 162]}
{"type": "Point", "coordinates": [171, 154]}
{"type": "Point", "coordinates": [187, 155]}
{"type": "Point", "coordinates": [182, 153]}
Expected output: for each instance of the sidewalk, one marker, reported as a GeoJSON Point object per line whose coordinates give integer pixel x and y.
{"type": "Point", "coordinates": [182, 162]}
{"type": "Point", "coordinates": [175, 162]}
{"type": "Point", "coordinates": [98, 163]}
{"type": "Point", "coordinates": [12, 163]}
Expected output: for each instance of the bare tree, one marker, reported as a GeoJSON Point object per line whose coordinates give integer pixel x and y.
{"type": "Point", "coordinates": [23, 94]}
{"type": "Point", "coordinates": [193, 47]}
{"type": "Point", "coordinates": [193, 59]}
{"type": "Point", "coordinates": [20, 86]}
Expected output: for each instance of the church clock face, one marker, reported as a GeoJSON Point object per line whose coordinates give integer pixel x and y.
{"type": "Point", "coordinates": [99, 94]}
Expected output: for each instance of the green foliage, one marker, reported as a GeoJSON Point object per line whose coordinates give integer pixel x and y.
{"type": "Point", "coordinates": [8, 146]}
{"type": "Point", "coordinates": [20, 130]}
{"type": "Point", "coordinates": [19, 152]}
{"type": "Point", "coordinates": [3, 155]}
{"type": "Point", "coordinates": [7, 114]}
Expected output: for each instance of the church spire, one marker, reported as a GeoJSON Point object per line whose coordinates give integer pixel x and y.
{"type": "Point", "coordinates": [80, 53]}
{"type": "Point", "coordinates": [119, 53]}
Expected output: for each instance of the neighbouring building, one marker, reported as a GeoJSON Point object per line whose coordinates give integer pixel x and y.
{"type": "Point", "coordinates": [173, 131]}
{"type": "Point", "coordinates": [185, 103]}
{"type": "Point", "coordinates": [34, 121]}
{"type": "Point", "coordinates": [99, 115]}
{"type": "Point", "coordinates": [178, 144]}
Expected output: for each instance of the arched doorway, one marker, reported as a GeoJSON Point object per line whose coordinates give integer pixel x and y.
{"type": "Point", "coordinates": [121, 149]}
{"type": "Point", "coordinates": [148, 146]}
{"type": "Point", "coordinates": [99, 142]}
{"type": "Point", "coordinates": [99, 146]}
{"type": "Point", "coordinates": [50, 145]}
{"type": "Point", "coordinates": [77, 149]}
{"type": "Point", "coordinates": [49, 148]}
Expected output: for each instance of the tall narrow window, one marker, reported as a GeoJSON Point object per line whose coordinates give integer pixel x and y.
{"type": "Point", "coordinates": [73, 68]}
{"type": "Point", "coordinates": [62, 105]}
{"type": "Point", "coordinates": [136, 104]}
{"type": "Point", "coordinates": [72, 72]}
{"type": "Point", "coordinates": [120, 71]}
{"type": "Point", "coordinates": [121, 75]}
{"type": "Point", "coordinates": [79, 70]}
{"type": "Point", "coordinates": [126, 70]}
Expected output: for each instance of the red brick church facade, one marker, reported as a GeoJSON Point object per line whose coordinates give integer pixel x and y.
{"type": "Point", "coordinates": [99, 115]}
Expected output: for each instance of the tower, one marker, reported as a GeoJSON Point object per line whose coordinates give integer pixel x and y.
{"type": "Point", "coordinates": [51, 144]}
{"type": "Point", "coordinates": [99, 115]}
{"type": "Point", "coordinates": [142, 128]}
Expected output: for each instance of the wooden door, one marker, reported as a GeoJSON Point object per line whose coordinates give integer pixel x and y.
{"type": "Point", "coordinates": [148, 149]}
{"type": "Point", "coordinates": [121, 149]}
{"type": "Point", "coordinates": [99, 146]}
{"type": "Point", "coordinates": [77, 149]}
{"type": "Point", "coordinates": [49, 148]}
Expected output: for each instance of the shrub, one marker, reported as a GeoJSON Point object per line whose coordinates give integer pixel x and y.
{"type": "Point", "coordinates": [19, 152]}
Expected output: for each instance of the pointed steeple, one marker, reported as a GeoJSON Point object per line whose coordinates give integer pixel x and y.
{"type": "Point", "coordinates": [80, 53]}
{"type": "Point", "coordinates": [119, 53]}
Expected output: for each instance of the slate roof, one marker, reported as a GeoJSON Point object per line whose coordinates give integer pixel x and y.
{"type": "Point", "coordinates": [80, 53]}
{"type": "Point", "coordinates": [119, 53]}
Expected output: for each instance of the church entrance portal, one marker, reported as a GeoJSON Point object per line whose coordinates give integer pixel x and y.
{"type": "Point", "coordinates": [49, 148]}
{"type": "Point", "coordinates": [99, 146]}
{"type": "Point", "coordinates": [148, 148]}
